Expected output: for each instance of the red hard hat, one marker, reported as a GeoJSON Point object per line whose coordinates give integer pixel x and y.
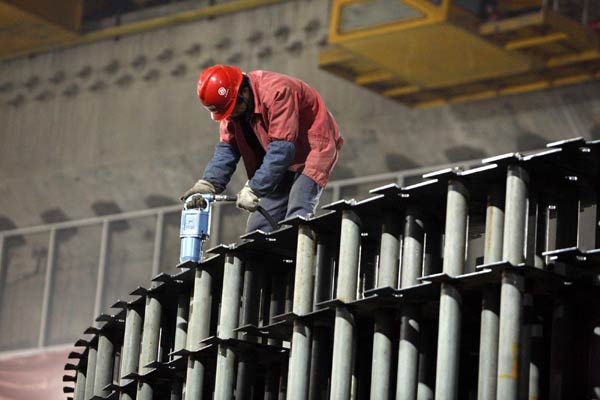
{"type": "Point", "coordinates": [218, 88]}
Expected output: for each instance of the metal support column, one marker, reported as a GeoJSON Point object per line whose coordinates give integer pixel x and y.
{"type": "Point", "coordinates": [131, 347]}
{"type": "Point", "coordinates": [408, 348]}
{"type": "Point", "coordinates": [512, 282]}
{"type": "Point", "coordinates": [450, 315]}
{"type": "Point", "coordinates": [104, 365]}
{"type": "Point", "coordinates": [90, 372]}
{"type": "Point", "coordinates": [343, 342]}
{"type": "Point", "coordinates": [79, 393]}
{"type": "Point", "coordinates": [199, 328]}
{"type": "Point", "coordinates": [298, 370]}
{"type": "Point", "coordinates": [488, 342]}
{"type": "Point", "coordinates": [228, 320]}
{"type": "Point", "coordinates": [181, 326]}
{"type": "Point", "coordinates": [150, 342]}
{"type": "Point", "coordinates": [248, 315]}
{"type": "Point", "coordinates": [383, 332]}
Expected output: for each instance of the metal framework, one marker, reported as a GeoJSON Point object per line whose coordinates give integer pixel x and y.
{"type": "Point", "coordinates": [472, 283]}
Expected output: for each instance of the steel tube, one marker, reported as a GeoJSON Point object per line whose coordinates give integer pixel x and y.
{"type": "Point", "coordinates": [512, 283]}
{"type": "Point", "coordinates": [382, 335]}
{"type": "Point", "coordinates": [131, 347]}
{"type": "Point", "coordinates": [408, 348]}
{"type": "Point", "coordinates": [488, 342]}
{"type": "Point", "coordinates": [508, 342]}
{"type": "Point", "coordinates": [343, 350]}
{"type": "Point", "coordinates": [382, 355]}
{"type": "Point", "coordinates": [104, 366]}
{"type": "Point", "coordinates": [319, 372]}
{"type": "Point", "coordinates": [90, 372]}
{"type": "Point", "coordinates": [389, 252]}
{"type": "Point", "coordinates": [79, 393]}
{"type": "Point", "coordinates": [181, 326]}
{"type": "Point", "coordinates": [450, 315]}
{"type": "Point", "coordinates": [426, 362]}
{"type": "Point", "coordinates": [199, 328]}
{"type": "Point", "coordinates": [343, 342]}
{"type": "Point", "coordinates": [298, 370]}
{"type": "Point", "coordinates": [516, 215]}
{"type": "Point", "coordinates": [228, 320]}
{"type": "Point", "coordinates": [248, 315]}
{"type": "Point", "coordinates": [150, 342]}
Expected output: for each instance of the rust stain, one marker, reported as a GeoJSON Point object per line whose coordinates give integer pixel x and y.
{"type": "Point", "coordinates": [514, 373]}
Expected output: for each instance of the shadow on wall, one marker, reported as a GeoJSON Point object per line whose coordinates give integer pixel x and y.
{"type": "Point", "coordinates": [464, 153]}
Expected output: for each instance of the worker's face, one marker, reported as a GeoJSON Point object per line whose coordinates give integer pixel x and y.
{"type": "Point", "coordinates": [241, 106]}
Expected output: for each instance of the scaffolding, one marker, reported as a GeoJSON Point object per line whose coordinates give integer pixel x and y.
{"type": "Point", "coordinates": [477, 283]}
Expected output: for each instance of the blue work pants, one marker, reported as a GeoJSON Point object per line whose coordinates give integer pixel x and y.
{"type": "Point", "coordinates": [296, 194]}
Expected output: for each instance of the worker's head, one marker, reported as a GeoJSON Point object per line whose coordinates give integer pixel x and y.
{"type": "Point", "coordinates": [218, 89]}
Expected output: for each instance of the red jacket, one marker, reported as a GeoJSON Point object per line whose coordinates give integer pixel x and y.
{"type": "Point", "coordinates": [286, 108]}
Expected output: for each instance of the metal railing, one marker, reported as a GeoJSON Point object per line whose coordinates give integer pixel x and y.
{"type": "Point", "coordinates": [378, 298]}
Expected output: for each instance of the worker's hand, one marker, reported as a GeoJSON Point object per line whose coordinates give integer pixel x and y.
{"type": "Point", "coordinates": [247, 199]}
{"type": "Point", "coordinates": [200, 187]}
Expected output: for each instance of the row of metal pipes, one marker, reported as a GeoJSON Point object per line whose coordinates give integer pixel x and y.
{"type": "Point", "coordinates": [244, 287]}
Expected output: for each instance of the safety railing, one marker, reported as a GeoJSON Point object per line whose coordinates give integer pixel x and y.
{"type": "Point", "coordinates": [478, 283]}
{"type": "Point", "coordinates": [61, 274]}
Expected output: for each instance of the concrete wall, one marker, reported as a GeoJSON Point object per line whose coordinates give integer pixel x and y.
{"type": "Point", "coordinates": [116, 125]}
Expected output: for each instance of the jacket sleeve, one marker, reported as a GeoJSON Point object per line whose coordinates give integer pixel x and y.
{"type": "Point", "coordinates": [222, 166]}
{"type": "Point", "coordinates": [277, 160]}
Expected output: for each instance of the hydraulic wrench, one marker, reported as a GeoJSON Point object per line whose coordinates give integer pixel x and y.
{"type": "Point", "coordinates": [195, 225]}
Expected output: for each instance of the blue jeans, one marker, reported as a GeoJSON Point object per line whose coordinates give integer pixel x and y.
{"type": "Point", "coordinates": [296, 194]}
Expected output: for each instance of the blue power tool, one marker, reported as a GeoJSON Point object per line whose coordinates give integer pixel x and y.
{"type": "Point", "coordinates": [195, 226]}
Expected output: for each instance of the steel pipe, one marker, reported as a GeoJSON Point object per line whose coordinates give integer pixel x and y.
{"type": "Point", "coordinates": [450, 315]}
{"type": "Point", "coordinates": [228, 319]}
{"type": "Point", "coordinates": [512, 283]}
{"type": "Point", "coordinates": [90, 372]}
{"type": "Point", "coordinates": [79, 393]}
{"type": "Point", "coordinates": [181, 327]}
{"type": "Point", "coordinates": [343, 341]}
{"type": "Point", "coordinates": [104, 366]}
{"type": "Point", "coordinates": [130, 354]}
{"type": "Point", "coordinates": [298, 373]}
{"type": "Point", "coordinates": [488, 342]}
{"type": "Point", "coordinates": [150, 342]}
{"type": "Point", "coordinates": [198, 329]}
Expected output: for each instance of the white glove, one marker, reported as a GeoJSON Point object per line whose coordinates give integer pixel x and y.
{"type": "Point", "coordinates": [247, 199]}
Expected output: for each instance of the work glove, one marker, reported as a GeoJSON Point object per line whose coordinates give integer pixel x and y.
{"type": "Point", "coordinates": [200, 187]}
{"type": "Point", "coordinates": [247, 199]}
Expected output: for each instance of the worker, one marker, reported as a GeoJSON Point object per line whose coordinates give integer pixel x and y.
{"type": "Point", "coordinates": [280, 127]}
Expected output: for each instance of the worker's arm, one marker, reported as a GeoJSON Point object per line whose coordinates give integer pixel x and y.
{"type": "Point", "coordinates": [276, 162]}
{"type": "Point", "coordinates": [222, 166]}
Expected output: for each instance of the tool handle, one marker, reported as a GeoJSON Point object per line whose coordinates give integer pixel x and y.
{"type": "Point", "coordinates": [224, 197]}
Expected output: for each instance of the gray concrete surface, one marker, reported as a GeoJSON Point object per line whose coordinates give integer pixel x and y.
{"type": "Point", "coordinates": [116, 125]}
